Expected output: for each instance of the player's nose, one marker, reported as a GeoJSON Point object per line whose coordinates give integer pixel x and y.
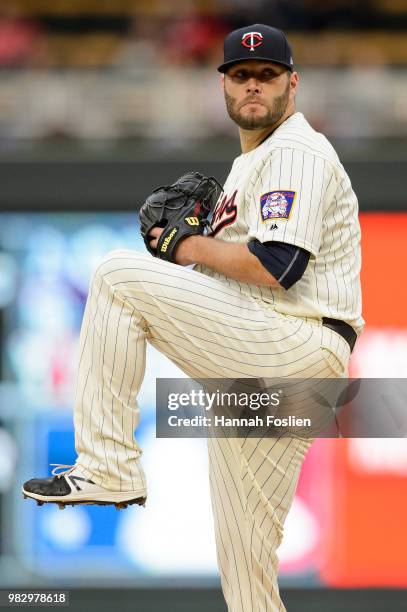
{"type": "Point", "coordinates": [253, 85]}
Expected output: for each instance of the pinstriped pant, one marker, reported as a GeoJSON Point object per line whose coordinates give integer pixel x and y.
{"type": "Point", "coordinates": [208, 330]}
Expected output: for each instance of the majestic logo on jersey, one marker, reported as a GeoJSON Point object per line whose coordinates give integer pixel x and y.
{"type": "Point", "coordinates": [250, 40]}
{"type": "Point", "coordinates": [224, 214]}
{"type": "Point", "coordinates": [276, 204]}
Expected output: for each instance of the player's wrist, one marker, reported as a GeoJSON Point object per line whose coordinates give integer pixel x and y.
{"type": "Point", "coordinates": [187, 251]}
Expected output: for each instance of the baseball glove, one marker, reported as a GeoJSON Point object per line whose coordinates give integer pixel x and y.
{"type": "Point", "coordinates": [182, 209]}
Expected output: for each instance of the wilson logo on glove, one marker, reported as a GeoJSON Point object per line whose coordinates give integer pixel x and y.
{"type": "Point", "coordinates": [168, 239]}
{"type": "Point", "coordinates": [192, 220]}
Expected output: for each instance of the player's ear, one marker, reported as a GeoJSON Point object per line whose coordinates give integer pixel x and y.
{"type": "Point", "coordinates": [294, 79]}
{"type": "Point", "coordinates": [222, 81]}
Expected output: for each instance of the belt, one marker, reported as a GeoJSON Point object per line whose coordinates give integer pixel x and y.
{"type": "Point", "coordinates": [343, 329]}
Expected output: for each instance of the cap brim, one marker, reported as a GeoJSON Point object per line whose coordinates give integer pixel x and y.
{"type": "Point", "coordinates": [224, 67]}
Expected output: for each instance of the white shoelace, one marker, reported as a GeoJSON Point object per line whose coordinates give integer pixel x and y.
{"type": "Point", "coordinates": [59, 466]}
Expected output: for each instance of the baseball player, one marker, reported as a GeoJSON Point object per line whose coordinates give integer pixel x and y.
{"type": "Point", "coordinates": [274, 292]}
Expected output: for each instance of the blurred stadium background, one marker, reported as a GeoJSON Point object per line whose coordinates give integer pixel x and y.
{"type": "Point", "coordinates": [100, 102]}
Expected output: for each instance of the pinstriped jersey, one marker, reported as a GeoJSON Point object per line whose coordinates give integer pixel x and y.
{"type": "Point", "coordinates": [292, 188]}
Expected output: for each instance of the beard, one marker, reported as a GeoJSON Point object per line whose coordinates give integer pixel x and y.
{"type": "Point", "coordinates": [252, 121]}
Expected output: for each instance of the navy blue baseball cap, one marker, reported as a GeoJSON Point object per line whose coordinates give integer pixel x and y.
{"type": "Point", "coordinates": [259, 42]}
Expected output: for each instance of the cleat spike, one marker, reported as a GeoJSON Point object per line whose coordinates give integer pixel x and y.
{"type": "Point", "coordinates": [40, 503]}
{"type": "Point", "coordinates": [121, 505]}
{"type": "Point", "coordinates": [25, 496]}
{"type": "Point", "coordinates": [61, 506]}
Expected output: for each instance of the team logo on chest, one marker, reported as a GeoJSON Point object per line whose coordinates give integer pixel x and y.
{"type": "Point", "coordinates": [224, 214]}
{"type": "Point", "coordinates": [276, 204]}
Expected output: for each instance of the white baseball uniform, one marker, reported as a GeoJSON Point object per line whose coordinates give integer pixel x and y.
{"type": "Point", "coordinates": [291, 188]}
{"type": "Point", "coordinates": [319, 212]}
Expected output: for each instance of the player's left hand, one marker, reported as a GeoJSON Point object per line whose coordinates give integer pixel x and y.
{"type": "Point", "coordinates": [156, 232]}
{"type": "Point", "coordinates": [179, 211]}
{"type": "Point", "coordinates": [182, 255]}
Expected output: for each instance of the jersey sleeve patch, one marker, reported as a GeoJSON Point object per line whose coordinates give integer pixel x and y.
{"type": "Point", "coordinates": [276, 204]}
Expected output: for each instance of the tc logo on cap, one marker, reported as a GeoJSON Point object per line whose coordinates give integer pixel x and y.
{"type": "Point", "coordinates": [250, 40]}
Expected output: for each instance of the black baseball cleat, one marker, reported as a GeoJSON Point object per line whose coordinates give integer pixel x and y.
{"type": "Point", "coordinates": [71, 487]}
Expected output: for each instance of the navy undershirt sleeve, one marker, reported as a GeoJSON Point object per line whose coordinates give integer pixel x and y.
{"type": "Point", "coordinates": [286, 262]}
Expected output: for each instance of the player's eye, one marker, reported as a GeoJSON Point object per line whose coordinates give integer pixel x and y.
{"type": "Point", "coordinates": [267, 75]}
{"type": "Point", "coordinates": [241, 76]}
{"type": "Point", "coordinates": [264, 76]}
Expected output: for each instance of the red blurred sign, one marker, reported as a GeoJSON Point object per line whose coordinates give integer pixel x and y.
{"type": "Point", "coordinates": [356, 489]}
{"type": "Point", "coordinates": [384, 263]}
{"type": "Point", "coordinates": [365, 535]}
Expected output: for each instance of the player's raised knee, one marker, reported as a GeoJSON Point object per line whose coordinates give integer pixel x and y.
{"type": "Point", "coordinates": [119, 259]}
